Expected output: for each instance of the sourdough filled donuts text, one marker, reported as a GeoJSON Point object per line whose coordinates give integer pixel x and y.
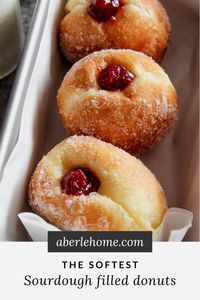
{"type": "Point", "coordinates": [99, 282]}
{"type": "Point", "coordinates": [82, 274]}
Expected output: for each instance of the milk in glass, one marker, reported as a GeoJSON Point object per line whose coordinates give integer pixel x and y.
{"type": "Point", "coordinates": [11, 36]}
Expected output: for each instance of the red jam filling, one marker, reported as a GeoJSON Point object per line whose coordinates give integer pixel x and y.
{"type": "Point", "coordinates": [115, 77]}
{"type": "Point", "coordinates": [80, 182]}
{"type": "Point", "coordinates": [103, 10]}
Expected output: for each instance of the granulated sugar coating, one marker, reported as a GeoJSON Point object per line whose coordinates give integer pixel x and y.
{"type": "Point", "coordinates": [90, 26]}
{"type": "Point", "coordinates": [129, 197]}
{"type": "Point", "coordinates": [134, 118]}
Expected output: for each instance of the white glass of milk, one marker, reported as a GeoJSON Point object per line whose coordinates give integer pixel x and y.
{"type": "Point", "coordinates": [11, 36]}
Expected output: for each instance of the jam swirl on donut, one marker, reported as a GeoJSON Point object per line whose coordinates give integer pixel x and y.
{"type": "Point", "coordinates": [80, 182]}
{"type": "Point", "coordinates": [115, 77]}
{"type": "Point", "coordinates": [103, 10]}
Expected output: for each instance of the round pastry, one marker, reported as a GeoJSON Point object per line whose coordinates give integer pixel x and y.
{"type": "Point", "coordinates": [120, 96]}
{"type": "Point", "coordinates": [92, 25]}
{"type": "Point", "coordinates": [86, 184]}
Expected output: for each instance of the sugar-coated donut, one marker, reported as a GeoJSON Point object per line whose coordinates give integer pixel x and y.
{"type": "Point", "coordinates": [92, 25]}
{"type": "Point", "coordinates": [121, 194]}
{"type": "Point", "coordinates": [120, 96]}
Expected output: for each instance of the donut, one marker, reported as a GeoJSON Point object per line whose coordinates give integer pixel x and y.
{"type": "Point", "coordinates": [93, 25]}
{"type": "Point", "coordinates": [86, 184]}
{"type": "Point", "coordinates": [120, 96]}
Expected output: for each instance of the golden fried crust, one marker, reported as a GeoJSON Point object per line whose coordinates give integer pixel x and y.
{"type": "Point", "coordinates": [129, 197]}
{"type": "Point", "coordinates": [140, 25]}
{"type": "Point", "coordinates": [133, 119]}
